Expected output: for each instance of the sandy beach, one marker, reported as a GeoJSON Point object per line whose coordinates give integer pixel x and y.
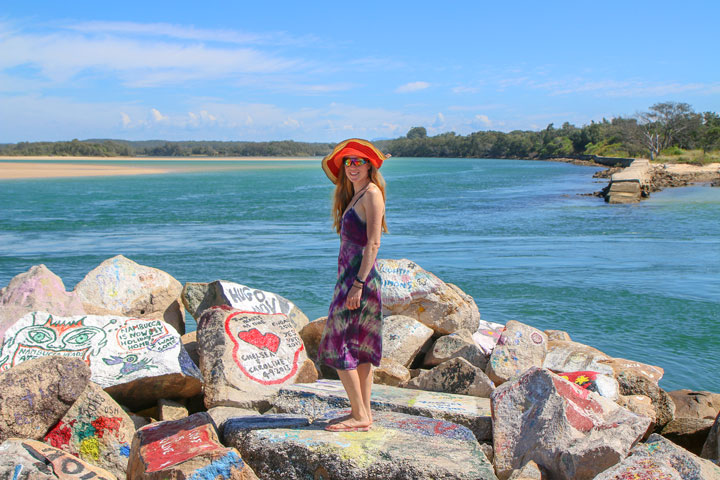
{"type": "Point", "coordinates": [58, 167]}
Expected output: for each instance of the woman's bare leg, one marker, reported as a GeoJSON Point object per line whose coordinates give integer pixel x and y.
{"type": "Point", "coordinates": [351, 381]}
{"type": "Point", "coordinates": [365, 378]}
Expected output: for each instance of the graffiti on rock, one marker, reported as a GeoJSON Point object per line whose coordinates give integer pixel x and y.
{"type": "Point", "coordinates": [130, 363]}
{"type": "Point", "coordinates": [65, 465]}
{"type": "Point", "coordinates": [249, 299]}
{"type": "Point", "coordinates": [403, 281]}
{"type": "Point", "coordinates": [175, 446]}
{"type": "Point", "coordinates": [266, 348]}
{"type": "Point", "coordinates": [88, 440]}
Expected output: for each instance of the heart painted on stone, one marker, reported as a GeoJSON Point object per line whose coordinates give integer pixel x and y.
{"type": "Point", "coordinates": [267, 340]}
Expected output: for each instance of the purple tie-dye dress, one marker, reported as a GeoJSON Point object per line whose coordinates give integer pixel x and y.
{"type": "Point", "coordinates": [352, 337]}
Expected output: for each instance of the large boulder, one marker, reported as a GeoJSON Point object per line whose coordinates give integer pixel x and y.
{"type": "Point", "coordinates": [604, 385]}
{"type": "Point", "coordinates": [660, 459]}
{"type": "Point", "coordinates": [246, 357]}
{"type": "Point", "coordinates": [487, 336]}
{"type": "Point", "coordinates": [36, 289]}
{"type": "Point", "coordinates": [456, 345]}
{"type": "Point", "coordinates": [397, 447]}
{"type": "Point", "coordinates": [409, 290]}
{"type": "Point", "coordinates": [33, 460]}
{"type": "Point", "coordinates": [403, 338]}
{"type": "Point", "coordinates": [97, 430]}
{"type": "Point", "coordinates": [136, 361]}
{"type": "Point", "coordinates": [187, 448]}
{"type": "Point", "coordinates": [119, 286]}
{"type": "Point", "coordinates": [633, 383]}
{"type": "Point", "coordinates": [520, 347]}
{"type": "Point", "coordinates": [631, 368]}
{"type": "Point", "coordinates": [711, 449]}
{"type": "Point", "coordinates": [568, 431]}
{"type": "Point", "coordinates": [311, 335]}
{"type": "Point", "coordinates": [692, 404]}
{"type": "Point", "coordinates": [689, 433]}
{"type": "Point", "coordinates": [389, 372]}
{"type": "Point", "coordinates": [454, 376]}
{"type": "Point", "coordinates": [315, 400]}
{"type": "Point", "coordinates": [198, 297]}
{"type": "Point", "coordinates": [569, 356]}
{"type": "Point", "coordinates": [35, 395]}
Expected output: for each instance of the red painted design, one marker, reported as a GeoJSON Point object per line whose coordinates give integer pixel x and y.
{"type": "Point", "coordinates": [166, 445]}
{"type": "Point", "coordinates": [106, 424]}
{"type": "Point", "coordinates": [60, 434]}
{"type": "Point", "coordinates": [585, 379]}
{"type": "Point", "coordinates": [578, 402]}
{"type": "Point", "coordinates": [254, 337]}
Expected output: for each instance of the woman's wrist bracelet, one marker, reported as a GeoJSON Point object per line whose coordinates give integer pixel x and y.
{"type": "Point", "coordinates": [357, 279]}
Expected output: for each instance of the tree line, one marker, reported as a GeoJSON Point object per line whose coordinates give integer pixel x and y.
{"type": "Point", "coordinates": [665, 127]}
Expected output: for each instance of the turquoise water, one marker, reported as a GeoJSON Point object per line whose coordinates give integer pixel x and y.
{"type": "Point", "coordinates": [636, 281]}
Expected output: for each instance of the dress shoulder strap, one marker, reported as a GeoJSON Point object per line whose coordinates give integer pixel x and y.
{"type": "Point", "coordinates": [358, 198]}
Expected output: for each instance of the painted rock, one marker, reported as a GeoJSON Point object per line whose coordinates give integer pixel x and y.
{"type": "Point", "coordinates": [35, 395]}
{"type": "Point", "coordinates": [28, 459]}
{"type": "Point", "coordinates": [390, 372]}
{"type": "Point", "coordinates": [119, 286]}
{"type": "Point", "coordinates": [630, 368]}
{"type": "Point", "coordinates": [604, 385]}
{"type": "Point", "coordinates": [711, 448]}
{"type": "Point", "coordinates": [315, 400]}
{"type": "Point", "coordinates": [246, 357]}
{"type": "Point", "coordinates": [487, 336]}
{"type": "Point", "coordinates": [409, 290]}
{"type": "Point", "coordinates": [659, 458]}
{"type": "Point", "coordinates": [569, 356]}
{"type": "Point", "coordinates": [97, 430]}
{"type": "Point", "coordinates": [692, 404]}
{"type": "Point", "coordinates": [454, 376]}
{"type": "Point", "coordinates": [237, 425]}
{"type": "Point", "coordinates": [558, 335]}
{"type": "Point", "coordinates": [397, 447]}
{"type": "Point", "coordinates": [520, 347]}
{"type": "Point", "coordinates": [198, 297]}
{"type": "Point", "coordinates": [220, 415]}
{"type": "Point", "coordinates": [567, 431]}
{"type": "Point", "coordinates": [456, 345]}
{"type": "Point", "coordinates": [36, 289]}
{"type": "Point", "coordinates": [187, 448]}
{"type": "Point", "coordinates": [404, 338]}
{"type": "Point", "coordinates": [135, 361]}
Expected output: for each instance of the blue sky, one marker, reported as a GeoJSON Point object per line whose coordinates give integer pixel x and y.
{"type": "Point", "coordinates": [325, 71]}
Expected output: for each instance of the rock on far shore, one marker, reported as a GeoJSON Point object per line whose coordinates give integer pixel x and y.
{"type": "Point", "coordinates": [408, 289]}
{"type": "Point", "coordinates": [119, 286]}
{"type": "Point", "coordinates": [198, 297]}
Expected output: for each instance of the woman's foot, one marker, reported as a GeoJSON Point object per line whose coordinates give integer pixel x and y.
{"type": "Point", "coordinates": [349, 425]}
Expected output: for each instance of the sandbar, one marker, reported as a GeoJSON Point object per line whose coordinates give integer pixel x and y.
{"type": "Point", "coordinates": [10, 171]}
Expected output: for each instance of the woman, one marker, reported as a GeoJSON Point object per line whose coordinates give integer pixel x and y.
{"type": "Point", "coordinates": [352, 340]}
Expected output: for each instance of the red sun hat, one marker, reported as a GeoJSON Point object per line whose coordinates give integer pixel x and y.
{"type": "Point", "coordinates": [353, 147]}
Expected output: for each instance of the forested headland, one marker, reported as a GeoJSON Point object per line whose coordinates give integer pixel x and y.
{"type": "Point", "coordinates": [667, 129]}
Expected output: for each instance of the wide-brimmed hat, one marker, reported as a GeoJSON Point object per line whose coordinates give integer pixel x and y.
{"type": "Point", "coordinates": [352, 147]}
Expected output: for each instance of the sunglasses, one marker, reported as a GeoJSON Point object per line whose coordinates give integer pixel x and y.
{"type": "Point", "coordinates": [355, 161]}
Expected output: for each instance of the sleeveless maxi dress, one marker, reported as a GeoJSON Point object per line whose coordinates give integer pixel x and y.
{"type": "Point", "coordinates": [352, 337]}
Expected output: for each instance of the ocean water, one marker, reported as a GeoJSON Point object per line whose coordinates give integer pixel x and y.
{"type": "Point", "coordinates": [635, 281]}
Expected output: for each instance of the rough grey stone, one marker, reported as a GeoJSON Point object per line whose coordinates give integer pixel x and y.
{"type": "Point", "coordinates": [454, 376]}
{"type": "Point", "coordinates": [689, 433]}
{"type": "Point", "coordinates": [711, 449]}
{"type": "Point", "coordinates": [456, 345]}
{"type": "Point", "coordinates": [404, 338]}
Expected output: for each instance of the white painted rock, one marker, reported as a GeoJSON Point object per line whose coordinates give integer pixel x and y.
{"type": "Point", "coordinates": [119, 286]}
{"type": "Point", "coordinates": [135, 361]}
{"type": "Point", "coordinates": [569, 356]}
{"type": "Point", "coordinates": [604, 385]}
{"type": "Point", "coordinates": [187, 449]}
{"type": "Point", "coordinates": [454, 376]}
{"type": "Point", "coordinates": [36, 289]}
{"type": "Point", "coordinates": [568, 431]}
{"type": "Point", "coordinates": [198, 297]}
{"type": "Point", "coordinates": [97, 430]}
{"type": "Point", "coordinates": [246, 357]}
{"type": "Point", "coordinates": [409, 290]}
{"type": "Point", "coordinates": [520, 347]}
{"type": "Point", "coordinates": [456, 345]}
{"type": "Point", "coordinates": [659, 458]}
{"type": "Point", "coordinates": [487, 336]}
{"type": "Point", "coordinates": [403, 338]}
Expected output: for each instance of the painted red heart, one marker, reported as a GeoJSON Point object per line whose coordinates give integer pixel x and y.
{"type": "Point", "coordinates": [254, 337]}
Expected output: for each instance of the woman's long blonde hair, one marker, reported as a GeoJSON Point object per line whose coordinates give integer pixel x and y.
{"type": "Point", "coordinates": [344, 193]}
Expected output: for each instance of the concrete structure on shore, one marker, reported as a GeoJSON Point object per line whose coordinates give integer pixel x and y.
{"type": "Point", "coordinates": [630, 184]}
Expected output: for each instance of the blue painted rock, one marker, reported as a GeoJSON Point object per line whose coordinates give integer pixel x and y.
{"type": "Point", "coordinates": [520, 347]}
{"type": "Point", "coordinates": [136, 361]}
{"type": "Point", "coordinates": [119, 286]}
{"type": "Point", "coordinates": [198, 297]}
{"type": "Point", "coordinates": [29, 459]}
{"type": "Point", "coordinates": [568, 431]}
{"type": "Point", "coordinates": [397, 446]}
{"type": "Point", "coordinates": [236, 425]}
{"type": "Point", "coordinates": [408, 289]}
{"type": "Point", "coordinates": [246, 358]}
{"type": "Point", "coordinates": [35, 395]}
{"type": "Point", "coordinates": [316, 399]}
{"type": "Point", "coordinates": [187, 448]}
{"type": "Point", "coordinates": [97, 430]}
{"type": "Point", "coordinates": [659, 458]}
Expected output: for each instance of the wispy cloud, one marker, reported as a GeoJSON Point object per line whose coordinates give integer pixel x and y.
{"type": "Point", "coordinates": [412, 87]}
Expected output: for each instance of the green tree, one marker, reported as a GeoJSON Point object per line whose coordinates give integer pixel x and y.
{"type": "Point", "coordinates": [417, 132]}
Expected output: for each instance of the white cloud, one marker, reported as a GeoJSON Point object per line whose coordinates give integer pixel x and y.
{"type": "Point", "coordinates": [125, 119]}
{"type": "Point", "coordinates": [157, 116]}
{"type": "Point", "coordinates": [484, 120]}
{"type": "Point", "coordinates": [412, 87]}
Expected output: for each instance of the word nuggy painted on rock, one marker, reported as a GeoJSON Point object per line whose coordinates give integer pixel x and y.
{"type": "Point", "coordinates": [119, 347]}
{"type": "Point", "coordinates": [249, 299]}
{"type": "Point", "coordinates": [265, 348]}
{"type": "Point", "coordinates": [402, 280]}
